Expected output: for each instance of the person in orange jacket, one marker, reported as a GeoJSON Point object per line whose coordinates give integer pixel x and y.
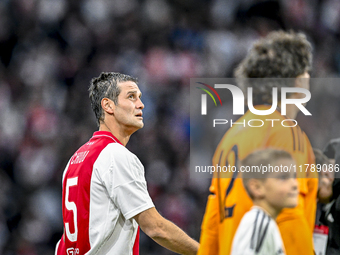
{"type": "Point", "coordinates": [279, 55]}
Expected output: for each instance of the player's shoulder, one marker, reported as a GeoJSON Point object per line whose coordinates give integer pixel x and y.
{"type": "Point", "coordinates": [251, 126]}
{"type": "Point", "coordinates": [256, 219]}
{"type": "Point", "coordinates": [253, 214]}
{"type": "Point", "coordinates": [248, 234]}
{"type": "Point", "coordinates": [119, 153]}
{"type": "Point", "coordinates": [256, 226]}
{"type": "Point", "coordinates": [118, 150]}
{"type": "Point", "coordinates": [117, 156]}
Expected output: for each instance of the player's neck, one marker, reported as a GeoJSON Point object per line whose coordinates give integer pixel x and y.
{"type": "Point", "coordinates": [292, 111]}
{"type": "Point", "coordinates": [121, 136]}
{"type": "Point", "coordinates": [271, 211]}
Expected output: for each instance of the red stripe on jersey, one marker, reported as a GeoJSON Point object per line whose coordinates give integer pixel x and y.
{"type": "Point", "coordinates": [135, 250]}
{"type": "Point", "coordinates": [76, 195]}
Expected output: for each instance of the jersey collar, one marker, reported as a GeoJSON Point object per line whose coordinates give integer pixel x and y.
{"type": "Point", "coordinates": [98, 134]}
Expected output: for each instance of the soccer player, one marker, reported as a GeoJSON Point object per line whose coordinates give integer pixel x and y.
{"type": "Point", "coordinates": [270, 192]}
{"type": "Point", "coordinates": [279, 55]}
{"type": "Point", "coordinates": [105, 196]}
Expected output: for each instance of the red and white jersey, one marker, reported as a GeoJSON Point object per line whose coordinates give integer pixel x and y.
{"type": "Point", "coordinates": [103, 189]}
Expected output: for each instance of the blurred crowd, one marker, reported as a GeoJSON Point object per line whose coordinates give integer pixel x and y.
{"type": "Point", "coordinates": [49, 51]}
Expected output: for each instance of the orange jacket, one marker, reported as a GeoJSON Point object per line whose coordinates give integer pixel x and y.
{"type": "Point", "coordinates": [229, 201]}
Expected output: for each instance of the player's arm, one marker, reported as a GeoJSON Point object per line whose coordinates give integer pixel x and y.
{"type": "Point", "coordinates": [165, 232]}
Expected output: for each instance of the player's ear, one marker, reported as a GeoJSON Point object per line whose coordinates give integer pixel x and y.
{"type": "Point", "coordinates": [108, 105]}
{"type": "Point", "coordinates": [256, 188]}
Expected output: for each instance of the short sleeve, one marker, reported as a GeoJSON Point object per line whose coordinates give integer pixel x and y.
{"type": "Point", "coordinates": [125, 182]}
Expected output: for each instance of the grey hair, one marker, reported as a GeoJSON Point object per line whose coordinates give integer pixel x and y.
{"type": "Point", "coordinates": [106, 86]}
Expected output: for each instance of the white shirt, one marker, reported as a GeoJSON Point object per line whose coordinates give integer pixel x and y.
{"type": "Point", "coordinates": [105, 187]}
{"type": "Point", "coordinates": [257, 234]}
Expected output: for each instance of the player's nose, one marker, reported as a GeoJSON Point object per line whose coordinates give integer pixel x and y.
{"type": "Point", "coordinates": [139, 104]}
{"type": "Point", "coordinates": [294, 183]}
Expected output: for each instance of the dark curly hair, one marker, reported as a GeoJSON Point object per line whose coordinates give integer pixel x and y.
{"type": "Point", "coordinates": [278, 56]}
{"type": "Point", "coordinates": [106, 86]}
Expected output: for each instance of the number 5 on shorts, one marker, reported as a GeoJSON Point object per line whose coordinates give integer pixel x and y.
{"type": "Point", "coordinates": [71, 206]}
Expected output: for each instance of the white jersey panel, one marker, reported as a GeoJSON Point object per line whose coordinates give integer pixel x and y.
{"type": "Point", "coordinates": [119, 175]}
{"type": "Point", "coordinates": [257, 234]}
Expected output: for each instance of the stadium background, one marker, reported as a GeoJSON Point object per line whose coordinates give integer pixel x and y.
{"type": "Point", "coordinates": [50, 49]}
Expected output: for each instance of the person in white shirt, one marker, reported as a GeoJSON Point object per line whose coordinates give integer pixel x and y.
{"type": "Point", "coordinates": [271, 191]}
{"type": "Point", "coordinates": [105, 198]}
